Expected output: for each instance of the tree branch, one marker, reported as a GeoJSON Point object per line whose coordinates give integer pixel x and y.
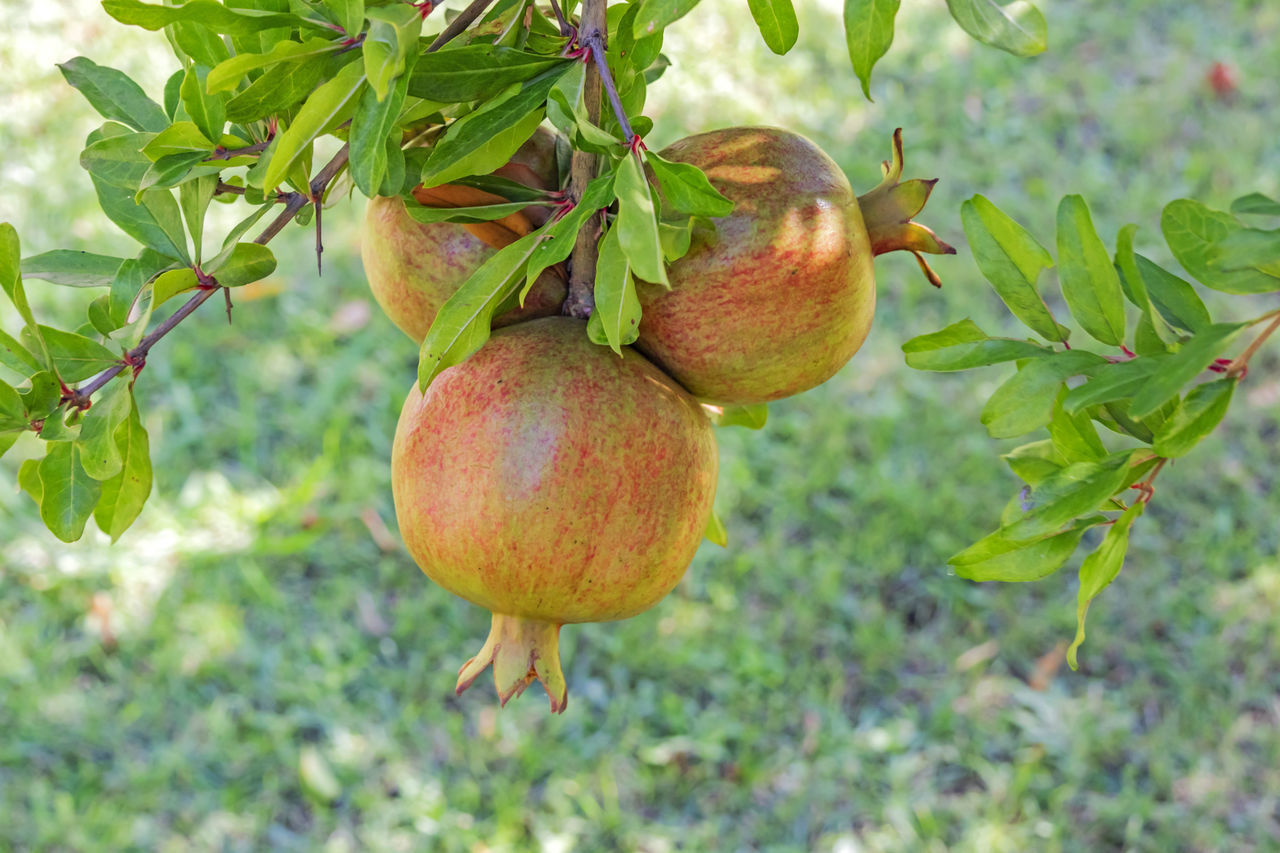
{"type": "Point", "coordinates": [460, 23]}
{"type": "Point", "coordinates": [582, 264]}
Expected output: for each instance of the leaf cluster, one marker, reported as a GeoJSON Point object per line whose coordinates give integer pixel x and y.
{"type": "Point", "coordinates": [1157, 385]}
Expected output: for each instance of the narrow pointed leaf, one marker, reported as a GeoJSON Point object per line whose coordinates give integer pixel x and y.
{"type": "Point", "coordinates": [227, 75]}
{"type": "Point", "coordinates": [72, 268]}
{"type": "Point", "coordinates": [463, 324]}
{"type": "Point", "coordinates": [76, 356]}
{"type": "Point", "coordinates": [1089, 280]}
{"type": "Point", "coordinates": [1175, 300]}
{"type": "Point", "coordinates": [1100, 569]}
{"type": "Point", "coordinates": [326, 108]}
{"type": "Point", "coordinates": [750, 415]}
{"type": "Point", "coordinates": [209, 112]}
{"type": "Point", "coordinates": [1183, 366]}
{"type": "Point", "coordinates": [560, 234]}
{"type": "Point", "coordinates": [1076, 490]}
{"type": "Point", "coordinates": [1023, 561]}
{"type": "Point", "coordinates": [716, 533]}
{"type": "Point", "coordinates": [637, 223]}
{"type": "Point", "coordinates": [1074, 435]}
{"type": "Point", "coordinates": [1255, 204]}
{"type": "Point", "coordinates": [868, 33]}
{"type": "Point", "coordinates": [1024, 402]}
{"type": "Point", "coordinates": [1196, 416]}
{"type": "Point", "coordinates": [243, 264]}
{"type": "Point", "coordinates": [963, 345]}
{"type": "Point", "coordinates": [616, 304]}
{"type": "Point", "coordinates": [1011, 259]}
{"type": "Point", "coordinates": [209, 13]}
{"type": "Point", "coordinates": [475, 72]}
{"type": "Point", "coordinates": [372, 125]}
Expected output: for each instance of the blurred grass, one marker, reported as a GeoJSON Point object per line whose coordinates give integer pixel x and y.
{"type": "Point", "coordinates": [248, 670]}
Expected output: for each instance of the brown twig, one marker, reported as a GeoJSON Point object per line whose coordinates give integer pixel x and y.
{"type": "Point", "coordinates": [1240, 366]}
{"type": "Point", "coordinates": [294, 202]}
{"type": "Point", "coordinates": [582, 264]}
{"type": "Point", "coordinates": [460, 23]}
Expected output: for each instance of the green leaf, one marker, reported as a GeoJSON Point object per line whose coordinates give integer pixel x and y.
{"type": "Point", "coordinates": [1011, 259]}
{"type": "Point", "coordinates": [348, 13]}
{"type": "Point", "coordinates": [463, 324]}
{"type": "Point", "coordinates": [482, 213]}
{"type": "Point", "coordinates": [72, 268]}
{"type": "Point", "coordinates": [1025, 401]}
{"type": "Point", "coordinates": [7, 440]}
{"type": "Point", "coordinates": [225, 76]}
{"type": "Point", "coordinates": [1075, 490]}
{"type": "Point", "coordinates": [677, 237]}
{"type": "Point", "coordinates": [1195, 417]}
{"type": "Point", "coordinates": [1100, 568]}
{"type": "Point", "coordinates": [29, 479]}
{"type": "Point", "coordinates": [11, 282]}
{"type": "Point", "coordinates": [68, 493]}
{"type": "Point", "coordinates": [124, 495]}
{"type": "Point", "coordinates": [326, 108]}
{"type": "Point", "coordinates": [372, 125]}
{"type": "Point", "coordinates": [1113, 382]}
{"type": "Point", "coordinates": [777, 22]}
{"type": "Point", "coordinates": [687, 188]}
{"type": "Point", "coordinates": [716, 533]}
{"type": "Point", "coordinates": [194, 198]}
{"type": "Point", "coordinates": [475, 72]}
{"type": "Point", "coordinates": [138, 220]}
{"type": "Point", "coordinates": [199, 43]}
{"type": "Point", "coordinates": [76, 356]}
{"type": "Point", "coordinates": [13, 412]}
{"type": "Point", "coordinates": [750, 415]}
{"type": "Point", "coordinates": [209, 112]}
{"type": "Point", "coordinates": [169, 284]}
{"type": "Point", "coordinates": [485, 140]}
{"type": "Point", "coordinates": [209, 13]}
{"type": "Point", "coordinates": [1183, 366]}
{"type": "Point", "coordinates": [1089, 280]}
{"type": "Point", "coordinates": [1248, 248]}
{"type": "Point", "coordinates": [1153, 323]}
{"type": "Point", "coordinates": [1074, 435]}
{"type": "Point", "coordinates": [560, 234]}
{"type": "Point", "coordinates": [1174, 299]}
{"type": "Point", "coordinates": [182, 137]}
{"type": "Point", "coordinates": [393, 34]}
{"type": "Point", "coordinates": [243, 264]}
{"type": "Point", "coordinates": [43, 395]}
{"type": "Point", "coordinates": [655, 15]}
{"type": "Point", "coordinates": [99, 453]}
{"type": "Point", "coordinates": [15, 356]}
{"type": "Point", "coordinates": [994, 559]}
{"type": "Point", "coordinates": [283, 86]}
{"type": "Point", "coordinates": [114, 95]}
{"type": "Point", "coordinates": [1017, 27]}
{"type": "Point", "coordinates": [1033, 462]}
{"type": "Point", "coordinates": [1255, 204]}
{"type": "Point", "coordinates": [637, 223]}
{"type": "Point", "coordinates": [617, 313]}
{"type": "Point", "coordinates": [1192, 230]}
{"type": "Point", "coordinates": [868, 32]}
{"type": "Point", "coordinates": [963, 345]}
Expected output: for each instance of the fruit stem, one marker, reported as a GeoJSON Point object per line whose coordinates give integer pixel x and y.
{"type": "Point", "coordinates": [887, 211]}
{"type": "Point", "coordinates": [582, 264]}
{"type": "Point", "coordinates": [521, 651]}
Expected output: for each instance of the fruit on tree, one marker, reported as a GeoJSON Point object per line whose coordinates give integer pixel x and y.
{"type": "Point", "coordinates": [779, 294]}
{"type": "Point", "coordinates": [551, 482]}
{"type": "Point", "coordinates": [414, 267]}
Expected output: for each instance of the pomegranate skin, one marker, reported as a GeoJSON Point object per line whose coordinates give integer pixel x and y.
{"type": "Point", "coordinates": [550, 482]}
{"type": "Point", "coordinates": [414, 267]}
{"type": "Point", "coordinates": [780, 295]}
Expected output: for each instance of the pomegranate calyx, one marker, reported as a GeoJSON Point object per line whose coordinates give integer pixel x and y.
{"type": "Point", "coordinates": [888, 209]}
{"type": "Point", "coordinates": [521, 651]}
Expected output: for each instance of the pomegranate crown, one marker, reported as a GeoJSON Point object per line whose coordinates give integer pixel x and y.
{"type": "Point", "coordinates": [887, 211]}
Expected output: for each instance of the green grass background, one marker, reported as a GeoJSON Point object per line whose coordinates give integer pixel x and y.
{"type": "Point", "coordinates": [280, 682]}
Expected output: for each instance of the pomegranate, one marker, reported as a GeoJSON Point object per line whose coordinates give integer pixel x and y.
{"type": "Point", "coordinates": [551, 482]}
{"type": "Point", "coordinates": [779, 295]}
{"type": "Point", "coordinates": [414, 267]}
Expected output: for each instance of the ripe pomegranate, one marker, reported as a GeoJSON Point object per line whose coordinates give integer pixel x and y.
{"type": "Point", "coordinates": [550, 481]}
{"type": "Point", "coordinates": [780, 294]}
{"type": "Point", "coordinates": [414, 267]}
